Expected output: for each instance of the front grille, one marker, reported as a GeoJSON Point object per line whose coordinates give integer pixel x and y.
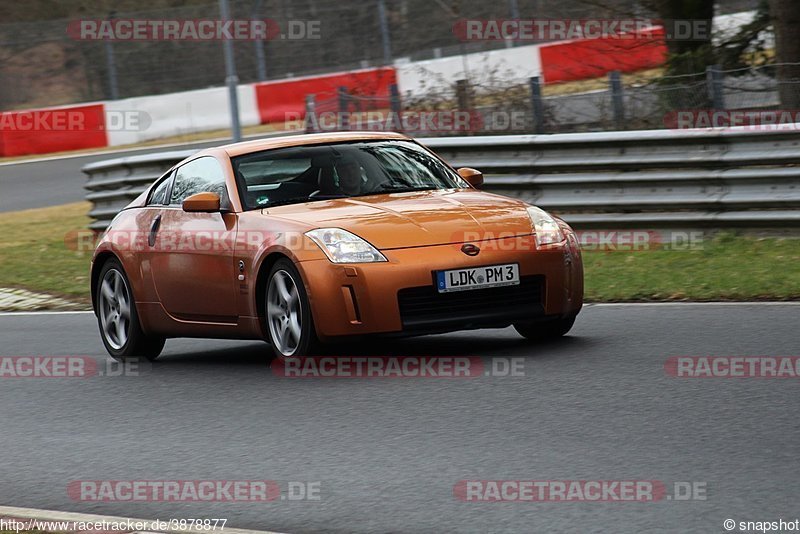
{"type": "Point", "coordinates": [424, 308]}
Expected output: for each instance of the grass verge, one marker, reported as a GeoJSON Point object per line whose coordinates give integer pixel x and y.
{"type": "Point", "coordinates": [34, 255]}
{"type": "Point", "coordinates": [726, 267]}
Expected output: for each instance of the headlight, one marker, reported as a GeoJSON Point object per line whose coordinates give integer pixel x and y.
{"type": "Point", "coordinates": [545, 227]}
{"type": "Point", "coordinates": [343, 247]}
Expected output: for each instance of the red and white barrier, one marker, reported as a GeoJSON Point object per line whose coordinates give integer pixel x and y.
{"type": "Point", "coordinates": [133, 120]}
{"type": "Point", "coordinates": [277, 100]}
{"type": "Point", "coordinates": [583, 59]}
{"type": "Point", "coordinates": [48, 130]}
{"type": "Point", "coordinates": [508, 66]}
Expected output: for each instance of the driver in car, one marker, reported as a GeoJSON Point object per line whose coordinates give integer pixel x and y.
{"type": "Point", "coordinates": [351, 177]}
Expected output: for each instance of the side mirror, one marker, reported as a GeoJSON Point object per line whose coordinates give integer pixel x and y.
{"type": "Point", "coordinates": [202, 202]}
{"type": "Point", "coordinates": [473, 176]}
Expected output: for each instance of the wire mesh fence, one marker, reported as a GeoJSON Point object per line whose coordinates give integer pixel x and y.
{"type": "Point", "coordinates": [743, 97]}
{"type": "Point", "coordinates": [40, 64]}
{"type": "Point", "coordinates": [716, 98]}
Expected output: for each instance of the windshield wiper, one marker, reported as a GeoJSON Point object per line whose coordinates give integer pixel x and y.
{"type": "Point", "coordinates": [384, 188]}
{"type": "Point", "coordinates": [297, 200]}
{"type": "Point", "coordinates": [396, 188]}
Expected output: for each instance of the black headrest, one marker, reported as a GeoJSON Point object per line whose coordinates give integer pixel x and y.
{"type": "Point", "coordinates": [322, 160]}
{"type": "Point", "coordinates": [327, 181]}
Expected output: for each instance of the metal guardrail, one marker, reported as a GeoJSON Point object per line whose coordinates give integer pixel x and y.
{"type": "Point", "coordinates": [646, 179]}
{"type": "Point", "coordinates": [114, 183]}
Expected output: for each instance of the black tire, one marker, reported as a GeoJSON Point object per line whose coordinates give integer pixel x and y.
{"type": "Point", "coordinates": [136, 344]}
{"type": "Point", "coordinates": [546, 330]}
{"type": "Point", "coordinates": [308, 343]}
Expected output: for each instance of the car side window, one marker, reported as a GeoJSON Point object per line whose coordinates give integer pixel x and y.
{"type": "Point", "coordinates": [199, 176]}
{"type": "Point", "coordinates": [158, 196]}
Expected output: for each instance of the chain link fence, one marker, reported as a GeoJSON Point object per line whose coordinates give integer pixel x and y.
{"type": "Point", "coordinates": [716, 98]}
{"type": "Point", "coordinates": [656, 103]}
{"type": "Point", "coordinates": [40, 65]}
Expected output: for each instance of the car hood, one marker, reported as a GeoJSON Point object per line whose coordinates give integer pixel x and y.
{"type": "Point", "coordinates": [402, 220]}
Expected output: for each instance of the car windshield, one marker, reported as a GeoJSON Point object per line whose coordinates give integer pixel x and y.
{"type": "Point", "coordinates": [323, 172]}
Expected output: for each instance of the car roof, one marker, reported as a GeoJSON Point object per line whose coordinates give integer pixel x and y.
{"type": "Point", "coordinates": [247, 147]}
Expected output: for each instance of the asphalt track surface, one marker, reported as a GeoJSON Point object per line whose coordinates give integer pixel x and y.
{"type": "Point", "coordinates": [54, 180]}
{"type": "Point", "coordinates": [387, 453]}
{"type": "Point", "coordinates": [46, 181]}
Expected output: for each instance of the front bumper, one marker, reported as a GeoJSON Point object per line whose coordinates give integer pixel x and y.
{"type": "Point", "coordinates": [362, 299]}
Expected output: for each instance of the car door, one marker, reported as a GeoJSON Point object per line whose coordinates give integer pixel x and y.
{"type": "Point", "coordinates": [192, 261]}
{"type": "Point", "coordinates": [147, 222]}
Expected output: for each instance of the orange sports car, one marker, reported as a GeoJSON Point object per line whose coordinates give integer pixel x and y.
{"type": "Point", "coordinates": [307, 239]}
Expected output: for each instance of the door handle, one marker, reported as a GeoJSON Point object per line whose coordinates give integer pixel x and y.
{"type": "Point", "coordinates": [151, 239]}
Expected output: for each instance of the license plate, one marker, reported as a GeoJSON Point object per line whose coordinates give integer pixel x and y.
{"type": "Point", "coordinates": [477, 278]}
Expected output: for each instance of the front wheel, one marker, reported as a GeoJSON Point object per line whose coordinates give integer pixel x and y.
{"type": "Point", "coordinates": [288, 312]}
{"type": "Point", "coordinates": [118, 320]}
{"type": "Point", "coordinates": [546, 330]}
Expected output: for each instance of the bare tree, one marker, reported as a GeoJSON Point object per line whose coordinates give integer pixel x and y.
{"type": "Point", "coordinates": [750, 44]}
{"type": "Point", "coordinates": [785, 16]}
{"type": "Point", "coordinates": [686, 56]}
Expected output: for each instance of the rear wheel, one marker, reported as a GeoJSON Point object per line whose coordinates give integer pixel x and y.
{"type": "Point", "coordinates": [288, 313]}
{"type": "Point", "coordinates": [118, 320]}
{"type": "Point", "coordinates": [543, 331]}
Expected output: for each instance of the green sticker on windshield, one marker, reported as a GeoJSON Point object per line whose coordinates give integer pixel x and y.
{"type": "Point", "coordinates": [262, 200]}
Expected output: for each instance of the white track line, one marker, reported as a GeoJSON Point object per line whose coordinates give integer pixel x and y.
{"type": "Point", "coordinates": [52, 515]}
{"type": "Point", "coordinates": [110, 153]}
{"type": "Point", "coordinates": [186, 144]}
